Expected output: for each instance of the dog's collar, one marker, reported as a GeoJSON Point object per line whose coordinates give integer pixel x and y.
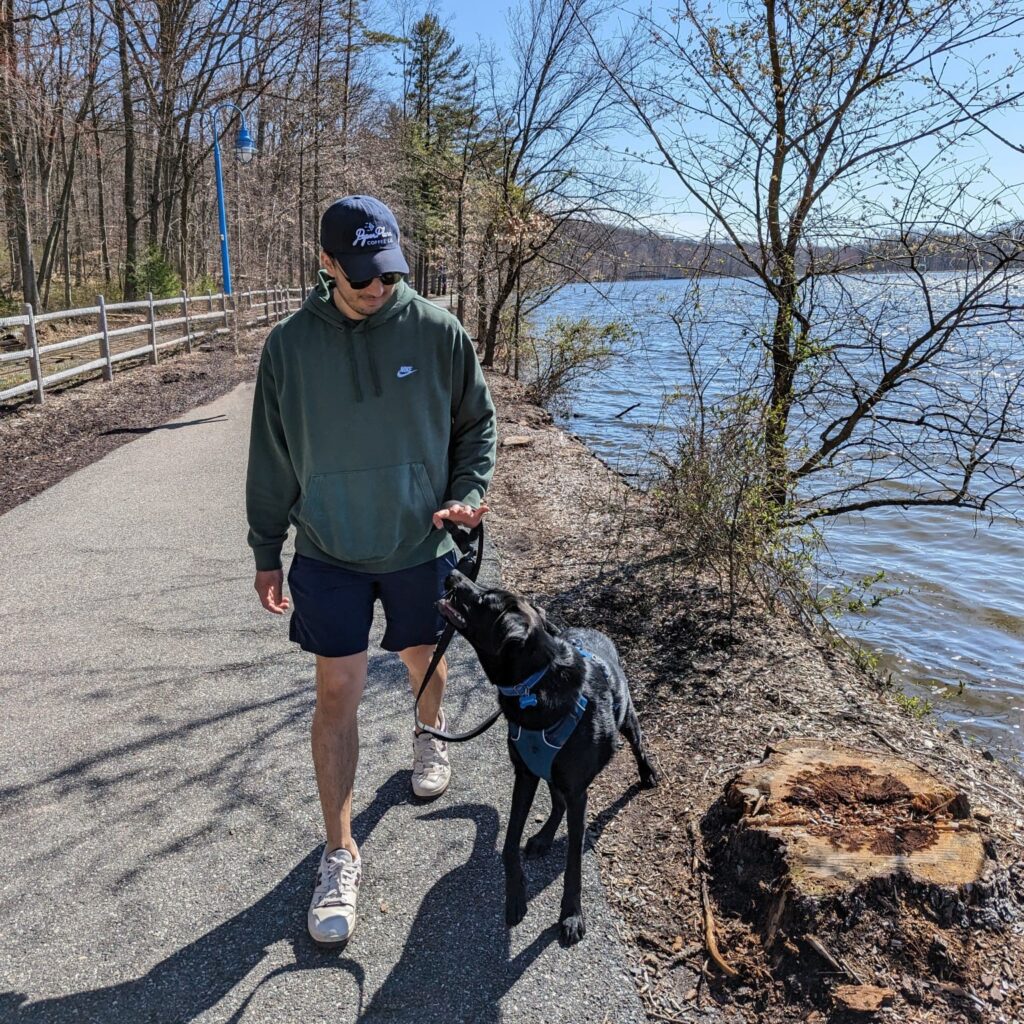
{"type": "Point", "coordinates": [522, 690]}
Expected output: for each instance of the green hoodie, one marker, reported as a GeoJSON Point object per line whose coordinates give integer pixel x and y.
{"type": "Point", "coordinates": [361, 430]}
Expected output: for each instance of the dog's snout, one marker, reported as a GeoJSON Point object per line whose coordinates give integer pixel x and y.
{"type": "Point", "coordinates": [454, 579]}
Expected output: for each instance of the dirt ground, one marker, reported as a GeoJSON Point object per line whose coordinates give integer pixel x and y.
{"type": "Point", "coordinates": [712, 693]}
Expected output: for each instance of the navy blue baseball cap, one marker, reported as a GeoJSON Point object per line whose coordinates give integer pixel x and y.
{"type": "Point", "coordinates": [362, 235]}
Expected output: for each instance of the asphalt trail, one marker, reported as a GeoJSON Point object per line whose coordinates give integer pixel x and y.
{"type": "Point", "coordinates": [159, 820]}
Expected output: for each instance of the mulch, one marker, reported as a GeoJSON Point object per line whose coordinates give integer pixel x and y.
{"type": "Point", "coordinates": [712, 689]}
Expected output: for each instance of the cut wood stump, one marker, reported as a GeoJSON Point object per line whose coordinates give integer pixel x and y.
{"type": "Point", "coordinates": [852, 870]}
{"type": "Point", "coordinates": [842, 816]}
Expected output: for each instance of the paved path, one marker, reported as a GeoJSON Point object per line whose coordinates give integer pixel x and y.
{"type": "Point", "coordinates": [158, 819]}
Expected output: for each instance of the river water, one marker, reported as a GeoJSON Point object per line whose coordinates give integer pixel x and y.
{"type": "Point", "coordinates": [953, 637]}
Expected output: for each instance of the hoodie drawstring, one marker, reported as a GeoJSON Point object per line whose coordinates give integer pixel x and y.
{"type": "Point", "coordinates": [320, 304]}
{"type": "Point", "coordinates": [373, 366]}
{"type": "Point", "coordinates": [355, 372]}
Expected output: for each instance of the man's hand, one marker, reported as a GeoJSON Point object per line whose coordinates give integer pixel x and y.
{"type": "Point", "coordinates": [270, 589]}
{"type": "Point", "coordinates": [456, 512]}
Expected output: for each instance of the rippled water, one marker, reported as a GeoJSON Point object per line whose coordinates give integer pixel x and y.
{"type": "Point", "coordinates": [961, 619]}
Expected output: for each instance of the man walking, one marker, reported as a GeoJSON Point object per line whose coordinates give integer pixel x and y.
{"type": "Point", "coordinates": [372, 424]}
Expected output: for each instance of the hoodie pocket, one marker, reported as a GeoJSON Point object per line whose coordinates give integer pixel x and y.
{"type": "Point", "coordinates": [366, 515]}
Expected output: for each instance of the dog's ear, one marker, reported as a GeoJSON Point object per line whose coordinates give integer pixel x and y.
{"type": "Point", "coordinates": [516, 630]}
{"type": "Point", "coordinates": [549, 627]}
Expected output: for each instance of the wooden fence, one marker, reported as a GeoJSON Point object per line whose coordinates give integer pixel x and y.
{"type": "Point", "coordinates": [191, 318]}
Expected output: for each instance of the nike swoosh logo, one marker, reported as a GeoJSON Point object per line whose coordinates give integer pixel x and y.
{"type": "Point", "coordinates": [406, 371]}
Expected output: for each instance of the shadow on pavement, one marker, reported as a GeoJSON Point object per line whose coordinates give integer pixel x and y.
{"type": "Point", "coordinates": [164, 426]}
{"type": "Point", "coordinates": [456, 964]}
{"type": "Point", "coordinates": [197, 977]}
{"type": "Point", "coordinates": [92, 772]}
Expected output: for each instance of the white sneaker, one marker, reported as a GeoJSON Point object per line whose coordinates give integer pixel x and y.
{"type": "Point", "coordinates": [431, 770]}
{"type": "Point", "coordinates": [332, 911]}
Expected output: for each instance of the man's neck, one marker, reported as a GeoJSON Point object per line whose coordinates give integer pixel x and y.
{"type": "Point", "coordinates": [344, 308]}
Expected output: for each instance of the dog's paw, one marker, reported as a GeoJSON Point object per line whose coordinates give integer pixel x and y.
{"type": "Point", "coordinates": [650, 778]}
{"type": "Point", "coordinates": [537, 846]}
{"type": "Point", "coordinates": [515, 905]}
{"type": "Point", "coordinates": [572, 929]}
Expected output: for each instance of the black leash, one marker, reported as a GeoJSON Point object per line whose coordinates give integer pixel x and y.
{"type": "Point", "coordinates": [469, 566]}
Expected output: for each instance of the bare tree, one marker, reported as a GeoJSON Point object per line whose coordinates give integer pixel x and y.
{"type": "Point", "coordinates": [550, 117]}
{"type": "Point", "coordinates": [826, 145]}
{"type": "Point", "coordinates": [12, 153]}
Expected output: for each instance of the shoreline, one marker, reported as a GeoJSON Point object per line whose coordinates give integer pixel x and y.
{"type": "Point", "coordinates": [951, 613]}
{"type": "Point", "coordinates": [711, 695]}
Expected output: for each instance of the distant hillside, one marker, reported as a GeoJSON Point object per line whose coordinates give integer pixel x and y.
{"type": "Point", "coordinates": [628, 254]}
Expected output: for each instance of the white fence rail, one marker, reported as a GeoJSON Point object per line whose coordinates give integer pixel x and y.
{"type": "Point", "coordinates": [200, 316]}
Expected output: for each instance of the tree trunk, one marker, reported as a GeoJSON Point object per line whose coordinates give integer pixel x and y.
{"type": "Point", "coordinates": [315, 185]}
{"type": "Point", "coordinates": [820, 841]}
{"type": "Point", "coordinates": [460, 253]}
{"type": "Point", "coordinates": [66, 253]}
{"type": "Point", "coordinates": [101, 203]}
{"type": "Point", "coordinates": [14, 193]}
{"type": "Point", "coordinates": [505, 289]}
{"type": "Point", "coordinates": [481, 295]}
{"type": "Point", "coordinates": [303, 255]}
{"type": "Point", "coordinates": [131, 221]}
{"type": "Point", "coordinates": [62, 217]}
{"type": "Point", "coordinates": [777, 416]}
{"type": "Point", "coordinates": [185, 239]}
{"type": "Point", "coordinates": [346, 87]}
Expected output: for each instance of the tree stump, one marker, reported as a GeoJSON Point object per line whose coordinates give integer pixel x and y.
{"type": "Point", "coordinates": [852, 874]}
{"type": "Point", "coordinates": [841, 817]}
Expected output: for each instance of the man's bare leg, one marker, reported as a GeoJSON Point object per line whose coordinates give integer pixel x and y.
{"type": "Point", "coordinates": [431, 769]}
{"type": "Point", "coordinates": [339, 687]}
{"type": "Point", "coordinates": [417, 661]}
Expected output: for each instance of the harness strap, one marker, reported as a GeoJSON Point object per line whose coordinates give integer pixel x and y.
{"type": "Point", "coordinates": [522, 690]}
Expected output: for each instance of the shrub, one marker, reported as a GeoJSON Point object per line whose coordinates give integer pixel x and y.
{"type": "Point", "coordinates": [153, 273]}
{"type": "Point", "coordinates": [568, 350]}
{"type": "Point", "coordinates": [204, 284]}
{"type": "Point", "coordinates": [715, 504]}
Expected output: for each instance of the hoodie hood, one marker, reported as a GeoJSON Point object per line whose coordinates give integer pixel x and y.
{"type": "Point", "coordinates": [321, 305]}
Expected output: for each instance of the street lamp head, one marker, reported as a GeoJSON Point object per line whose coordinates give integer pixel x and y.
{"type": "Point", "coordinates": [245, 148]}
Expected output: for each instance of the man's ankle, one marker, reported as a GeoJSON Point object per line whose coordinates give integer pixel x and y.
{"type": "Point", "coordinates": [436, 724]}
{"type": "Point", "coordinates": [330, 848]}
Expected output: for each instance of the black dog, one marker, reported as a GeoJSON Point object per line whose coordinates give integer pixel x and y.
{"type": "Point", "coordinates": [567, 702]}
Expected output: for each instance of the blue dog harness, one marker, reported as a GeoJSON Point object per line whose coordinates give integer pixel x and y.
{"type": "Point", "coordinates": [538, 747]}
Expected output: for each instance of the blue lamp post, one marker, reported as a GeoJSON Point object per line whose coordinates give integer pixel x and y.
{"type": "Point", "coordinates": [245, 150]}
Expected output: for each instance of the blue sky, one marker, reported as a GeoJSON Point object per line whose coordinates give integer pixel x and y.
{"type": "Point", "coordinates": [469, 19]}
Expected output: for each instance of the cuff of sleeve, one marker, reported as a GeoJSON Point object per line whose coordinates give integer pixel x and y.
{"type": "Point", "coordinates": [267, 557]}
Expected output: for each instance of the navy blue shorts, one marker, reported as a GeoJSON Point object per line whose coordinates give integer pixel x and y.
{"type": "Point", "coordinates": [332, 608]}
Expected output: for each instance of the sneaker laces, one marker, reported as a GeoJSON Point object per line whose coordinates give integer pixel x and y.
{"type": "Point", "coordinates": [430, 753]}
{"type": "Point", "coordinates": [339, 877]}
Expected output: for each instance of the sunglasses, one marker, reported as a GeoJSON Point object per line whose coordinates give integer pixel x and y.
{"type": "Point", "coordinates": [388, 279]}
